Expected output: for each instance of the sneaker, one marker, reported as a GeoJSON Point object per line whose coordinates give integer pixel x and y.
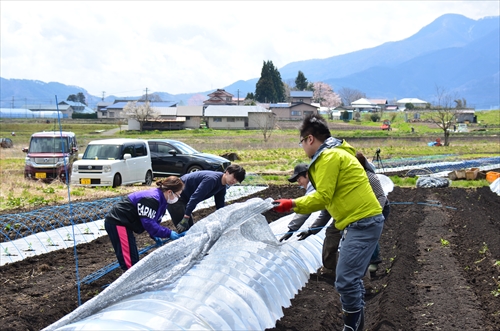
{"type": "Point", "coordinates": [372, 268]}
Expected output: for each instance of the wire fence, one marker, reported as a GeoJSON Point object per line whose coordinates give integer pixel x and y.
{"type": "Point", "coordinates": [55, 227]}
{"type": "Point", "coordinates": [15, 226]}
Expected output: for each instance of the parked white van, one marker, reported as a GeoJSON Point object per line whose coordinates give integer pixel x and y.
{"type": "Point", "coordinates": [114, 162]}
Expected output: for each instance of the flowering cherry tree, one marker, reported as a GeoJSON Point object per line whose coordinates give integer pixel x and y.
{"type": "Point", "coordinates": [196, 100]}
{"type": "Point", "coordinates": [325, 96]}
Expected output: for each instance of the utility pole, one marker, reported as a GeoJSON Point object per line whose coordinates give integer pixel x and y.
{"type": "Point", "coordinates": [103, 95]}
{"type": "Point", "coordinates": [238, 97]}
{"type": "Point", "coordinates": [12, 105]}
{"type": "Point", "coordinates": [146, 94]}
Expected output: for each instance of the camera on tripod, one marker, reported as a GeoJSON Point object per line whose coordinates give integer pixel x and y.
{"type": "Point", "coordinates": [378, 159]}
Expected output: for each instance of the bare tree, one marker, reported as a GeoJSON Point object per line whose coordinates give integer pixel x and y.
{"type": "Point", "coordinates": [140, 112]}
{"type": "Point", "coordinates": [444, 114]}
{"type": "Point", "coordinates": [265, 122]}
{"type": "Point", "coordinates": [349, 95]}
{"type": "Point", "coordinates": [151, 97]}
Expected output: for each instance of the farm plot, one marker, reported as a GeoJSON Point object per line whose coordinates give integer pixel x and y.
{"type": "Point", "coordinates": [440, 270]}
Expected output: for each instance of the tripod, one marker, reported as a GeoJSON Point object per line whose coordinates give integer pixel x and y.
{"type": "Point", "coordinates": [378, 159]}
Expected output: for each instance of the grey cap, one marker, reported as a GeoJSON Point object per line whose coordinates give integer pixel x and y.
{"type": "Point", "coordinates": [299, 170]}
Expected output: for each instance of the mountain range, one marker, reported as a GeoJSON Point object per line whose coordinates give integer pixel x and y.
{"type": "Point", "coordinates": [455, 53]}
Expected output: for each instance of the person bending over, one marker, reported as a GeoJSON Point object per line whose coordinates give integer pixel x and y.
{"type": "Point", "coordinates": [199, 186]}
{"type": "Point", "coordinates": [138, 212]}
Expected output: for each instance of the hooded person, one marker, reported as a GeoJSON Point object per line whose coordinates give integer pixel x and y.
{"type": "Point", "coordinates": [343, 189]}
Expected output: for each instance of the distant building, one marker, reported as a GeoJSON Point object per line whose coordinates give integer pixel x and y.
{"type": "Point", "coordinates": [115, 110]}
{"type": "Point", "coordinates": [301, 97]}
{"type": "Point", "coordinates": [466, 115]}
{"type": "Point", "coordinates": [193, 116]}
{"type": "Point", "coordinates": [77, 107]}
{"type": "Point", "coordinates": [414, 101]}
{"type": "Point", "coordinates": [27, 113]}
{"type": "Point", "coordinates": [65, 109]}
{"type": "Point", "coordinates": [219, 97]}
{"type": "Point", "coordinates": [364, 104]}
{"type": "Point", "coordinates": [338, 112]}
{"type": "Point", "coordinates": [238, 117]}
{"type": "Point", "coordinates": [300, 106]}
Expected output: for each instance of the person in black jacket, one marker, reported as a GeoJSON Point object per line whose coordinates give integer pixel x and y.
{"type": "Point", "coordinates": [199, 186]}
{"type": "Point", "coordinates": [332, 235]}
{"type": "Point", "coordinates": [138, 212]}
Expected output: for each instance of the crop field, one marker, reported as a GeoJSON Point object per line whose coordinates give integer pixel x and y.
{"type": "Point", "coordinates": [440, 246]}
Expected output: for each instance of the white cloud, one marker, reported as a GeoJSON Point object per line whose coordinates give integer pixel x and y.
{"type": "Point", "coordinates": [183, 47]}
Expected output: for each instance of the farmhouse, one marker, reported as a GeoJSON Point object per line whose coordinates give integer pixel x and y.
{"type": "Point", "coordinates": [300, 105]}
{"type": "Point", "coordinates": [238, 117]}
{"type": "Point", "coordinates": [414, 101]}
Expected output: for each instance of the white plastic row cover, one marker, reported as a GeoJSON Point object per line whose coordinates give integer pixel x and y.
{"type": "Point", "coordinates": [240, 279]}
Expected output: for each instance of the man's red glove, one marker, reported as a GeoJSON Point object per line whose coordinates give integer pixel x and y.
{"type": "Point", "coordinates": [283, 205]}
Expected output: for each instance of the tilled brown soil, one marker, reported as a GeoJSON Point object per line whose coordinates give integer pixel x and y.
{"type": "Point", "coordinates": [440, 270]}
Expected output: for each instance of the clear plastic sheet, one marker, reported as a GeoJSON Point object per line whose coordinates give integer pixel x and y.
{"type": "Point", "coordinates": [428, 182]}
{"type": "Point", "coordinates": [228, 273]}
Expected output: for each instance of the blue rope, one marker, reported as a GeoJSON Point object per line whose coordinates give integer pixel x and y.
{"type": "Point", "coordinates": [69, 203]}
{"type": "Point", "coordinates": [112, 266]}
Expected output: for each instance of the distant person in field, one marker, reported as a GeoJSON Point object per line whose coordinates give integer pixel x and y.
{"type": "Point", "coordinates": [138, 212]}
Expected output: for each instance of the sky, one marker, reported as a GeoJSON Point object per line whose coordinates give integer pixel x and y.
{"type": "Point", "coordinates": [122, 48]}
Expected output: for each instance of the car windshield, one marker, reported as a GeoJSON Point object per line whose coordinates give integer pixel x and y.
{"type": "Point", "coordinates": [48, 144]}
{"type": "Point", "coordinates": [185, 149]}
{"type": "Point", "coordinates": [102, 152]}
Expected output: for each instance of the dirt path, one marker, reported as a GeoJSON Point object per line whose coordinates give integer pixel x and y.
{"type": "Point", "coordinates": [436, 258]}
{"type": "Point", "coordinates": [114, 131]}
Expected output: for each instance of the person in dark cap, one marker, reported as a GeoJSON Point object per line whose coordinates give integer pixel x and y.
{"type": "Point", "coordinates": [332, 238]}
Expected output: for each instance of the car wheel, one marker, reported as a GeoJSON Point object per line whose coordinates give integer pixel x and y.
{"type": "Point", "coordinates": [117, 180]}
{"type": "Point", "coordinates": [194, 168]}
{"type": "Point", "coordinates": [149, 179]}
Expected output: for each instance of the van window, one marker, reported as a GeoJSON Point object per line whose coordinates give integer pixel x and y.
{"type": "Point", "coordinates": [102, 152]}
{"type": "Point", "coordinates": [48, 145]}
{"type": "Point", "coordinates": [128, 149]}
{"type": "Point", "coordinates": [140, 150]}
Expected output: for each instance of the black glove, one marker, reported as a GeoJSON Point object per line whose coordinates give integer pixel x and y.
{"type": "Point", "coordinates": [286, 236]}
{"type": "Point", "coordinates": [183, 225]}
{"type": "Point", "coordinates": [304, 235]}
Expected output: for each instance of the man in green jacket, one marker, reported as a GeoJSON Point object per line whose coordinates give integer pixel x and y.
{"type": "Point", "coordinates": [343, 189]}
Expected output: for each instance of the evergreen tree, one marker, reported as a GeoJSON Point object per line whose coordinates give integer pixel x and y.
{"type": "Point", "coordinates": [79, 97]}
{"type": "Point", "coordinates": [265, 88]}
{"type": "Point", "coordinates": [301, 82]}
{"type": "Point", "coordinates": [279, 87]}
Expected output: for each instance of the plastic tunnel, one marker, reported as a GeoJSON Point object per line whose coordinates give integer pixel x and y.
{"type": "Point", "coordinates": [228, 273]}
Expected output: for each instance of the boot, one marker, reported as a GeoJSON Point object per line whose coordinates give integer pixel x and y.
{"type": "Point", "coordinates": [354, 320]}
